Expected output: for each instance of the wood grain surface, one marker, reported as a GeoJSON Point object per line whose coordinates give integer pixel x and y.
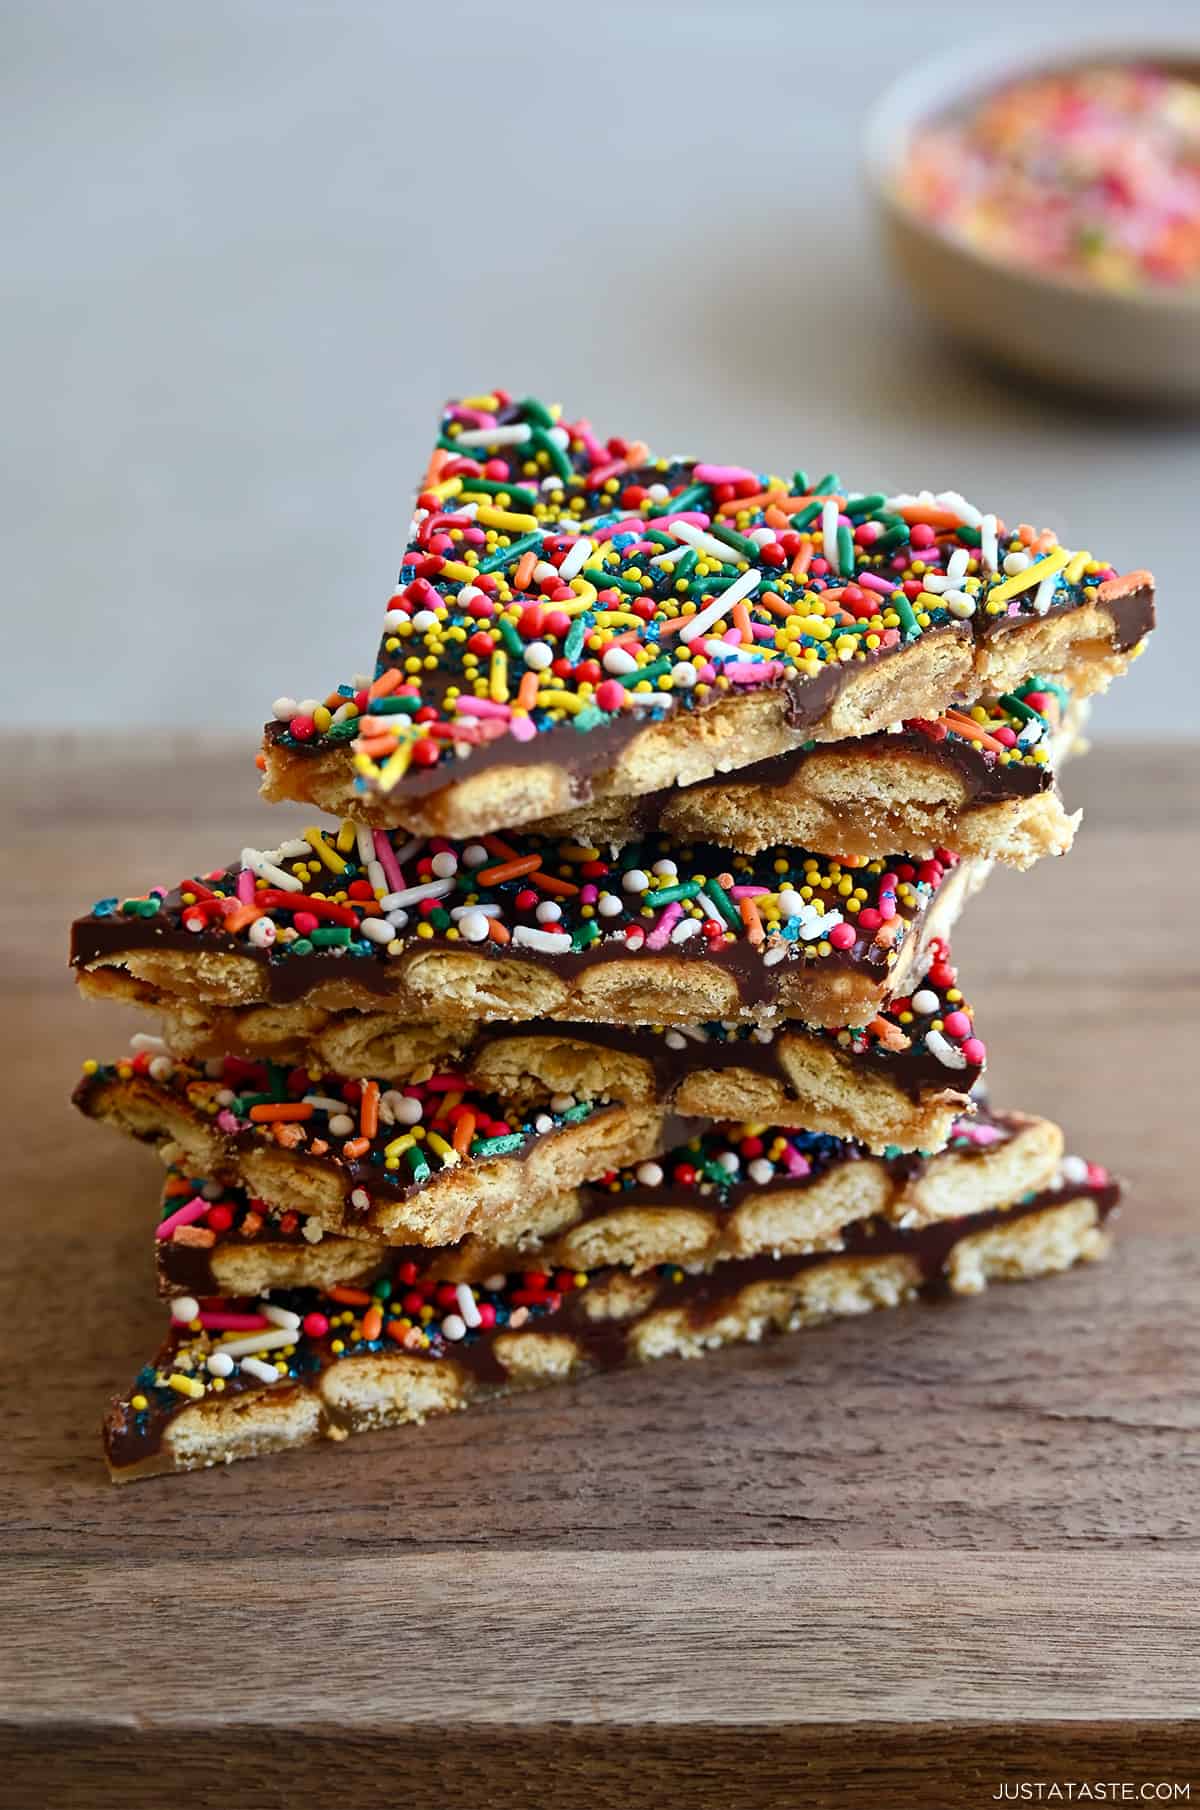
{"type": "Point", "coordinates": [901, 1561]}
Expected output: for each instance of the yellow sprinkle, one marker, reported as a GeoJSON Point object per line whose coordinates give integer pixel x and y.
{"type": "Point", "coordinates": [610, 618]}
{"type": "Point", "coordinates": [399, 1145]}
{"type": "Point", "coordinates": [346, 837]}
{"type": "Point", "coordinates": [561, 700]}
{"type": "Point", "coordinates": [508, 520]}
{"type": "Point", "coordinates": [460, 573]}
{"type": "Point", "coordinates": [1077, 567]}
{"type": "Point", "coordinates": [321, 848]}
{"type": "Point", "coordinates": [498, 677]}
{"type": "Point", "coordinates": [394, 767]}
{"type": "Point", "coordinates": [447, 488]}
{"type": "Point", "coordinates": [138, 1402]}
{"type": "Point", "coordinates": [488, 404]}
{"type": "Point", "coordinates": [447, 1152]}
{"type": "Point", "coordinates": [190, 1386]}
{"type": "Point", "coordinates": [1032, 575]}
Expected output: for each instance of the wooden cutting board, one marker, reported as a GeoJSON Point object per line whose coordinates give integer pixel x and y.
{"type": "Point", "coordinates": [910, 1560]}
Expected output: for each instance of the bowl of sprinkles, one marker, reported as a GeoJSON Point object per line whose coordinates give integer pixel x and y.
{"type": "Point", "coordinates": [1045, 207]}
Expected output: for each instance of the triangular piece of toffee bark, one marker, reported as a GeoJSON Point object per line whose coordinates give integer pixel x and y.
{"type": "Point", "coordinates": [242, 1378]}
{"type": "Point", "coordinates": [577, 620]}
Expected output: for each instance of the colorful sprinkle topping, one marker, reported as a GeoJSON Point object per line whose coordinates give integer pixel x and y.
{"type": "Point", "coordinates": [1092, 175]}
{"type": "Point", "coordinates": [554, 582]}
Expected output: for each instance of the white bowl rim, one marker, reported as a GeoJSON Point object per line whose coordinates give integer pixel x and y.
{"type": "Point", "coordinates": [956, 75]}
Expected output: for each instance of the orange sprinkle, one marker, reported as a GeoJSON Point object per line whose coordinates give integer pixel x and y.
{"type": "Point", "coordinates": [386, 683]}
{"type": "Point", "coordinates": [497, 931]}
{"type": "Point", "coordinates": [561, 889]}
{"type": "Point", "coordinates": [527, 691]}
{"type": "Point", "coordinates": [288, 1136]}
{"type": "Point", "coordinates": [368, 1109]}
{"type": "Point", "coordinates": [175, 1185]}
{"type": "Point", "coordinates": [433, 471]}
{"type": "Point", "coordinates": [372, 1322]}
{"type": "Point", "coordinates": [464, 1131]}
{"type": "Point", "coordinates": [1026, 534]}
{"type": "Point", "coordinates": [515, 869]}
{"type": "Point", "coordinates": [237, 920]}
{"type": "Point", "coordinates": [803, 560]}
{"type": "Point", "coordinates": [260, 761]}
{"type": "Point", "coordinates": [377, 745]}
{"type": "Point", "coordinates": [775, 604]}
{"type": "Point", "coordinates": [495, 845]}
{"type": "Point", "coordinates": [349, 1297]}
{"type": "Point", "coordinates": [751, 920]}
{"type": "Point", "coordinates": [398, 1330]}
{"type": "Point", "coordinates": [931, 514]}
{"type": "Point", "coordinates": [285, 1112]}
{"type": "Point", "coordinates": [775, 518]}
{"type": "Point", "coordinates": [737, 503]}
{"type": "Point", "coordinates": [967, 726]}
{"type": "Point", "coordinates": [523, 576]}
{"type": "Point", "coordinates": [741, 619]}
{"type": "Point", "coordinates": [889, 1034]}
{"type": "Point", "coordinates": [356, 1147]}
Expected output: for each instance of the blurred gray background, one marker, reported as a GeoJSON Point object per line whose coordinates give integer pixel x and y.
{"type": "Point", "coordinates": [249, 248]}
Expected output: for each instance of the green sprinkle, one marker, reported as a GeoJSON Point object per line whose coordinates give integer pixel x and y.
{"type": "Point", "coordinates": [503, 556]}
{"type": "Point", "coordinates": [347, 729]}
{"type": "Point", "coordinates": [895, 537]}
{"type": "Point", "coordinates": [574, 1114]}
{"type": "Point", "coordinates": [739, 542]}
{"type": "Point", "coordinates": [602, 578]}
{"type": "Point", "coordinates": [970, 537]}
{"type": "Point", "coordinates": [845, 550]}
{"type": "Point", "coordinates": [687, 499]}
{"type": "Point", "coordinates": [808, 514]}
{"type": "Point", "coordinates": [650, 672]}
{"type": "Point", "coordinates": [535, 412]}
{"type": "Point", "coordinates": [590, 717]}
{"type": "Point", "coordinates": [903, 608]}
{"type": "Point", "coordinates": [858, 508]}
{"type": "Point", "coordinates": [418, 1165]}
{"type": "Point", "coordinates": [799, 483]}
{"type": "Point", "coordinates": [1018, 707]}
{"type": "Point", "coordinates": [669, 894]}
{"type": "Point", "coordinates": [661, 539]}
{"type": "Point", "coordinates": [829, 485]}
{"type": "Point", "coordinates": [584, 935]}
{"type": "Point", "coordinates": [573, 645]}
{"type": "Point", "coordinates": [489, 487]}
{"type": "Point", "coordinates": [723, 903]}
{"type": "Point", "coordinates": [553, 451]}
{"type": "Point", "coordinates": [498, 1146]}
{"type": "Point", "coordinates": [337, 936]}
{"type": "Point", "coordinates": [301, 946]}
{"type": "Point", "coordinates": [511, 640]}
{"type": "Point", "coordinates": [684, 563]}
{"type": "Point", "coordinates": [395, 706]}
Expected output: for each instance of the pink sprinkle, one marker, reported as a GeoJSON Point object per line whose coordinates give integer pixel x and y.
{"type": "Point", "coordinates": [385, 855]}
{"type": "Point", "coordinates": [588, 895]}
{"type": "Point", "coordinates": [629, 525]}
{"type": "Point", "coordinates": [697, 518]}
{"type": "Point", "coordinates": [245, 886]}
{"type": "Point", "coordinates": [975, 1050]}
{"type": "Point", "coordinates": [794, 1163]}
{"type": "Point", "coordinates": [752, 672]}
{"type": "Point", "coordinates": [488, 707]}
{"type": "Point", "coordinates": [748, 892]}
{"type": "Point", "coordinates": [223, 1322]}
{"type": "Point", "coordinates": [473, 417]}
{"type": "Point", "coordinates": [226, 1122]}
{"type": "Point", "coordinates": [661, 933]}
{"type": "Point", "coordinates": [522, 728]}
{"type": "Point", "coordinates": [722, 474]}
{"type": "Point", "coordinates": [982, 1134]}
{"type": "Point", "coordinates": [182, 1216]}
{"type": "Point", "coordinates": [871, 581]}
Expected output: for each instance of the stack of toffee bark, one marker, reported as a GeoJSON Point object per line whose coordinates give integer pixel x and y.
{"type": "Point", "coordinates": [609, 1014]}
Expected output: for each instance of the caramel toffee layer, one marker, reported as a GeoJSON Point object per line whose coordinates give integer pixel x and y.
{"type": "Point", "coordinates": [365, 914]}
{"type": "Point", "coordinates": [287, 1343]}
{"type": "Point", "coordinates": [719, 1170]}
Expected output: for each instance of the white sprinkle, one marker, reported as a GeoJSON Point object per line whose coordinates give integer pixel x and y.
{"type": "Point", "coordinates": [649, 1174]}
{"type": "Point", "coordinates": [161, 1068]}
{"type": "Point", "coordinates": [445, 864]}
{"type": "Point", "coordinates": [377, 877]}
{"type": "Point", "coordinates": [926, 1002]}
{"type": "Point", "coordinates": [543, 1122]}
{"type": "Point", "coordinates": [953, 499]}
{"type": "Point", "coordinates": [1014, 563]}
{"type": "Point", "coordinates": [956, 565]}
{"type": "Point", "coordinates": [308, 705]}
{"type": "Point", "coordinates": [473, 925]}
{"type": "Point", "coordinates": [683, 674]}
{"type": "Point", "coordinates": [279, 1316]}
{"type": "Point", "coordinates": [829, 534]}
{"type": "Point", "coordinates": [959, 604]}
{"type": "Point", "coordinates": [312, 1231]}
{"type": "Point", "coordinates": [494, 1284]}
{"type": "Point", "coordinates": [258, 863]}
{"type": "Point", "coordinates": [405, 1110]}
{"type": "Point", "coordinates": [1030, 735]}
{"type": "Point", "coordinates": [539, 655]}
{"type": "Point", "coordinates": [219, 1363]}
{"type": "Point", "coordinates": [1043, 597]}
{"type": "Point", "coordinates": [376, 930]}
{"type": "Point", "coordinates": [575, 559]}
{"type": "Point", "coordinates": [947, 1053]}
{"type": "Point", "coordinates": [703, 543]}
{"type": "Point", "coordinates": [424, 619]}
{"type": "Point", "coordinates": [762, 1034]}
{"type": "Point", "coordinates": [675, 1040]}
{"type": "Point", "coordinates": [258, 1341]}
{"type": "Point", "coordinates": [609, 906]}
{"type": "Point", "coordinates": [685, 930]}
{"type": "Point", "coordinates": [618, 660]}
{"type": "Point", "coordinates": [364, 843]}
{"type": "Point", "coordinates": [360, 1199]}
{"type": "Point", "coordinates": [453, 1327]}
{"type": "Point", "coordinates": [145, 1040]}
{"type": "Point", "coordinates": [550, 942]}
{"type": "Point", "coordinates": [432, 889]}
{"type": "Point", "coordinates": [1074, 1169]}
{"type": "Point", "coordinates": [475, 855]}
{"type": "Point", "coordinates": [184, 1309]}
{"type": "Point", "coordinates": [284, 709]}
{"type": "Point", "coordinates": [636, 880]}
{"type": "Point", "coordinates": [263, 1373]}
{"type": "Point", "coordinates": [774, 952]}
{"type": "Point", "coordinates": [515, 435]}
{"type": "Point", "coordinates": [989, 548]}
{"type": "Point", "coordinates": [761, 1170]}
{"type": "Point", "coordinates": [465, 1297]}
{"type": "Point", "coordinates": [666, 868]}
{"type": "Point", "coordinates": [548, 912]}
{"type": "Point", "coordinates": [561, 1102]}
{"type": "Point", "coordinates": [397, 919]}
{"type": "Point", "coordinates": [742, 586]}
{"type": "Point", "coordinates": [790, 903]}
{"type": "Point", "coordinates": [729, 1161]}
{"type": "Point", "coordinates": [762, 537]}
{"type": "Point", "coordinates": [324, 1103]}
{"type": "Point", "coordinates": [341, 1125]}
